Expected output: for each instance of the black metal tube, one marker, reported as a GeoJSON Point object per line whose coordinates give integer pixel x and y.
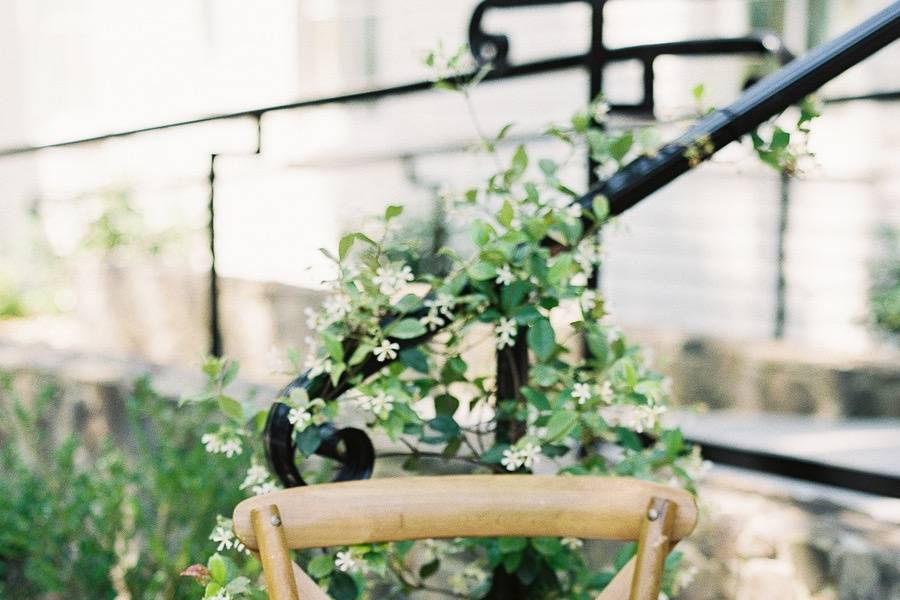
{"type": "Point", "coordinates": [765, 99]}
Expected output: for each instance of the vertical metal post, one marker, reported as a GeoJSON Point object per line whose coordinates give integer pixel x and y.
{"type": "Point", "coordinates": [784, 206]}
{"type": "Point", "coordinates": [596, 61]}
{"type": "Point", "coordinates": [215, 332]}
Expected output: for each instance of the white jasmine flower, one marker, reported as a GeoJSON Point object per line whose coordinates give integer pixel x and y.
{"type": "Point", "coordinates": [221, 443]}
{"type": "Point", "coordinates": [634, 417]}
{"type": "Point", "coordinates": [505, 275]}
{"type": "Point", "coordinates": [224, 537]}
{"type": "Point", "coordinates": [318, 365]}
{"type": "Point", "coordinates": [606, 392]}
{"type": "Point", "coordinates": [391, 278]}
{"type": "Point", "coordinates": [345, 562]}
{"type": "Point", "coordinates": [314, 320]}
{"type": "Point", "coordinates": [588, 253]}
{"type": "Point", "coordinates": [337, 307]}
{"type": "Point", "coordinates": [212, 443]}
{"type": "Point", "coordinates": [582, 391]}
{"type": "Point", "coordinates": [382, 403]}
{"type": "Point", "coordinates": [432, 321]}
{"type": "Point", "coordinates": [444, 304]}
{"type": "Point", "coordinates": [505, 332]}
{"type": "Point", "coordinates": [571, 543]}
{"type": "Point", "coordinates": [266, 487]}
{"type": "Point", "coordinates": [256, 475]}
{"type": "Point", "coordinates": [511, 459]}
{"type": "Point", "coordinates": [529, 454]}
{"type": "Point", "coordinates": [572, 212]}
{"type": "Point", "coordinates": [588, 300]}
{"type": "Point", "coordinates": [231, 446]}
{"type": "Point", "coordinates": [387, 350]}
{"type": "Point", "coordinates": [600, 111]}
{"type": "Point", "coordinates": [300, 418]}
{"type": "Point", "coordinates": [613, 334]}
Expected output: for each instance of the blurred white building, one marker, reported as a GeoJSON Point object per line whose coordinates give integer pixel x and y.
{"type": "Point", "coordinates": [698, 257]}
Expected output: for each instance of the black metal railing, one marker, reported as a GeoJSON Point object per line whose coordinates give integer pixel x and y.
{"type": "Point", "coordinates": [626, 188]}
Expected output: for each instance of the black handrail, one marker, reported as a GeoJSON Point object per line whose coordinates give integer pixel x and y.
{"type": "Point", "coordinates": [640, 178]}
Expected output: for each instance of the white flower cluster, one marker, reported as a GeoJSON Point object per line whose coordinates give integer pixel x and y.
{"type": "Point", "coordinates": [588, 253]}
{"type": "Point", "coordinates": [380, 404]}
{"type": "Point", "coordinates": [318, 365]}
{"type": "Point", "coordinates": [505, 333]}
{"type": "Point", "coordinates": [585, 392]}
{"type": "Point", "coordinates": [223, 535]}
{"type": "Point", "coordinates": [465, 581]}
{"type": "Point", "coordinates": [523, 456]}
{"type": "Point", "coordinates": [392, 278]}
{"type": "Point", "coordinates": [638, 418]}
{"type": "Point", "coordinates": [439, 308]}
{"type": "Point", "coordinates": [304, 412]}
{"type": "Point", "coordinates": [572, 543]}
{"type": "Point", "coordinates": [336, 307]}
{"type": "Point", "coordinates": [258, 481]}
{"type": "Point", "coordinates": [222, 442]}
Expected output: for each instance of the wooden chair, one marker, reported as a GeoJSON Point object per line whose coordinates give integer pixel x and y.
{"type": "Point", "coordinates": [384, 510]}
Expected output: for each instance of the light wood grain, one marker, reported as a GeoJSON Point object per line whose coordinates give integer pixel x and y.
{"type": "Point", "coordinates": [266, 523]}
{"type": "Point", "coordinates": [382, 510]}
{"type": "Point", "coordinates": [654, 544]}
{"type": "Point", "coordinates": [620, 586]}
{"type": "Point", "coordinates": [306, 587]}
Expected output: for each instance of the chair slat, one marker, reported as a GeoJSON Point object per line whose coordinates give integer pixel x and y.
{"type": "Point", "coordinates": [383, 510]}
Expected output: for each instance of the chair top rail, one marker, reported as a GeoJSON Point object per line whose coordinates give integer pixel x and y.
{"type": "Point", "coordinates": [408, 508]}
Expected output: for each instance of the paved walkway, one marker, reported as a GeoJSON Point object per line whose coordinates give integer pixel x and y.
{"type": "Point", "coordinates": [866, 444]}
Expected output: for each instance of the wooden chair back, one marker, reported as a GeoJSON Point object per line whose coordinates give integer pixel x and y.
{"type": "Point", "coordinates": [385, 510]}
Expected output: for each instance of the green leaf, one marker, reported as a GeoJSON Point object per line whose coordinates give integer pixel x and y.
{"type": "Point", "coordinates": [544, 375]}
{"type": "Point", "coordinates": [238, 585]}
{"type": "Point", "coordinates": [392, 211]}
{"type": "Point", "coordinates": [408, 303]}
{"type": "Point", "coordinates": [601, 207]}
{"type": "Point", "coordinates": [535, 398]}
{"type": "Point", "coordinates": [512, 544]}
{"type": "Point", "coordinates": [308, 440]}
{"type": "Point", "coordinates": [547, 546]}
{"type": "Point", "coordinates": [503, 131]}
{"type": "Point", "coordinates": [334, 347]}
{"type": "Point", "coordinates": [445, 425]}
{"type": "Point", "coordinates": [345, 244]}
{"type": "Point", "coordinates": [519, 161]}
{"type": "Point", "coordinates": [560, 269]}
{"type": "Point", "coordinates": [445, 404]}
{"type": "Point", "coordinates": [481, 232]}
{"type": "Point", "coordinates": [541, 338]}
{"type": "Point", "coordinates": [217, 569]}
{"type": "Point", "coordinates": [494, 455]}
{"type": "Point", "coordinates": [320, 566]}
{"type": "Point", "coordinates": [620, 146]}
{"type": "Point", "coordinates": [343, 587]}
{"type": "Point", "coordinates": [560, 424]}
{"type": "Point", "coordinates": [780, 139]}
{"type": "Point", "coordinates": [405, 329]}
{"type": "Point", "coordinates": [232, 409]}
{"type": "Point", "coordinates": [505, 216]}
{"type": "Point", "coordinates": [482, 270]}
{"type": "Point", "coordinates": [360, 354]}
{"type": "Point", "coordinates": [512, 295]}
{"type": "Point", "coordinates": [414, 359]}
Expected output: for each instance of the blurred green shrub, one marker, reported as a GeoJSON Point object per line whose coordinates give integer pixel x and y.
{"type": "Point", "coordinates": [121, 522]}
{"type": "Point", "coordinates": [885, 297]}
